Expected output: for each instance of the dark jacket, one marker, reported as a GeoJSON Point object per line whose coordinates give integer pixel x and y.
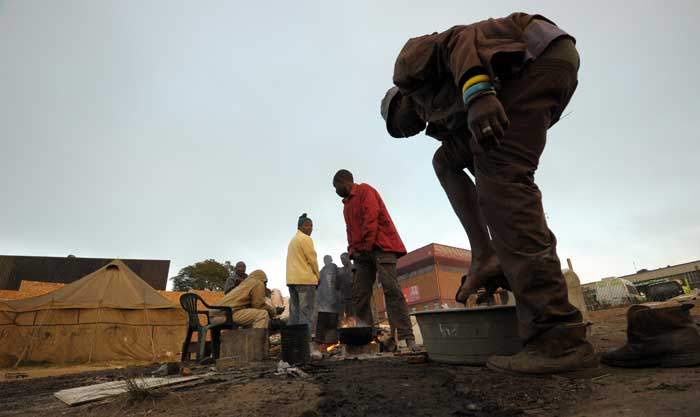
{"type": "Point", "coordinates": [432, 68]}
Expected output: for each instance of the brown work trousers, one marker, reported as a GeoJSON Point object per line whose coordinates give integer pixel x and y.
{"type": "Point", "coordinates": [510, 201]}
{"type": "Point", "coordinates": [256, 318]}
{"type": "Point", "coordinates": [368, 267]}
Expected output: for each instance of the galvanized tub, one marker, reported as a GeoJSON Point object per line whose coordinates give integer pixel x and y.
{"type": "Point", "coordinates": [469, 336]}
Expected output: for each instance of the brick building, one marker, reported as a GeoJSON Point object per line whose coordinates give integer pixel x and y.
{"type": "Point", "coordinates": [429, 278]}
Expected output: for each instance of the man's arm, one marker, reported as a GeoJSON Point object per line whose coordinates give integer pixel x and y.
{"type": "Point", "coordinates": [257, 299]}
{"type": "Point", "coordinates": [307, 247]}
{"type": "Point", "coordinates": [370, 219]}
{"type": "Point", "coordinates": [461, 52]}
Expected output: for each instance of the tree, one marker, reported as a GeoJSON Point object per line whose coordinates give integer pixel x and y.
{"type": "Point", "coordinates": [204, 275]}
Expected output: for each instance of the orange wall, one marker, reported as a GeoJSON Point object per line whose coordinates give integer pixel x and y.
{"type": "Point", "coordinates": [449, 279]}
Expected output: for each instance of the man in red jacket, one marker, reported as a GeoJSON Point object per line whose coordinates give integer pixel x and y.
{"type": "Point", "coordinates": [374, 244]}
{"type": "Point", "coordinates": [488, 92]}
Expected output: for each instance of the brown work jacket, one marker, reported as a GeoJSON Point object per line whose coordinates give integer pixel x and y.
{"type": "Point", "coordinates": [249, 294]}
{"type": "Point", "coordinates": [431, 69]}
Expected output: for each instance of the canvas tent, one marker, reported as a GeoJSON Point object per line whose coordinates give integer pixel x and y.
{"type": "Point", "coordinates": [111, 314]}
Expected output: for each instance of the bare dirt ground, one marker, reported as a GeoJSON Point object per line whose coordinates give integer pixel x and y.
{"type": "Point", "coordinates": [389, 387]}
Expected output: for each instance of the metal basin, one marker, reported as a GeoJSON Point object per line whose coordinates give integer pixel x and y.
{"type": "Point", "coordinates": [469, 335]}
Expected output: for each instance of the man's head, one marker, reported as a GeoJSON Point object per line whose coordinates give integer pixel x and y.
{"type": "Point", "coordinates": [305, 225]}
{"type": "Point", "coordinates": [399, 113]}
{"type": "Point", "coordinates": [345, 259]}
{"type": "Point", "coordinates": [327, 260]}
{"type": "Point", "coordinates": [343, 182]}
{"type": "Point", "coordinates": [259, 275]}
{"type": "Point", "coordinates": [240, 268]}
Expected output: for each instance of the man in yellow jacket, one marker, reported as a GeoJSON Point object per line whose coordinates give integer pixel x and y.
{"type": "Point", "coordinates": [248, 302]}
{"type": "Point", "coordinates": [302, 275]}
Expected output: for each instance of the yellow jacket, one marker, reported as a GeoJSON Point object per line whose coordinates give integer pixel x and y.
{"type": "Point", "coordinates": [302, 265]}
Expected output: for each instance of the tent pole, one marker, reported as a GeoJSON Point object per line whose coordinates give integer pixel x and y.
{"type": "Point", "coordinates": [94, 336]}
{"type": "Point", "coordinates": [153, 344]}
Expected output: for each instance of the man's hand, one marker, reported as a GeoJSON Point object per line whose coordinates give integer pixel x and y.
{"type": "Point", "coordinates": [487, 121]}
{"type": "Point", "coordinates": [279, 310]}
{"type": "Point", "coordinates": [472, 284]}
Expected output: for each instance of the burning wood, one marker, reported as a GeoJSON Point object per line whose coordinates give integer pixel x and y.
{"type": "Point", "coordinates": [351, 321]}
{"type": "Point", "coordinates": [332, 347]}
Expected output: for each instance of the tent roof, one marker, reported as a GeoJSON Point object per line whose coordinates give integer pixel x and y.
{"type": "Point", "coordinates": [112, 286]}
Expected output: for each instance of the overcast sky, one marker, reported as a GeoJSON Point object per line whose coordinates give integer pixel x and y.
{"type": "Point", "coordinates": [202, 129]}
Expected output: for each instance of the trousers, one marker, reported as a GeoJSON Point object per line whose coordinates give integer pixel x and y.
{"type": "Point", "coordinates": [505, 199]}
{"type": "Point", "coordinates": [302, 306]}
{"type": "Point", "coordinates": [381, 265]}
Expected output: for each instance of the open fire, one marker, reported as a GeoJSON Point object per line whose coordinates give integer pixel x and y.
{"type": "Point", "coordinates": [350, 321]}
{"type": "Point", "coordinates": [356, 338]}
{"type": "Point", "coordinates": [332, 347]}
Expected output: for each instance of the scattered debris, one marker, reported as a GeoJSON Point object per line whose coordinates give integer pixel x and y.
{"type": "Point", "coordinates": [669, 387]}
{"type": "Point", "coordinates": [598, 378]}
{"type": "Point", "coordinates": [137, 392]}
{"type": "Point", "coordinates": [170, 368]}
{"type": "Point", "coordinates": [86, 394]}
{"type": "Point", "coordinates": [283, 368]}
{"type": "Point", "coordinates": [416, 359]}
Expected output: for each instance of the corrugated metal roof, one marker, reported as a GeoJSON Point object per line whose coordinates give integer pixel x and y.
{"type": "Point", "coordinates": [664, 272]}
{"type": "Point", "coordinates": [15, 269]}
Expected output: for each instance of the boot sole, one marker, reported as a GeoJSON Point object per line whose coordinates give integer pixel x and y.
{"type": "Point", "coordinates": [581, 372]}
{"type": "Point", "coordinates": [679, 360]}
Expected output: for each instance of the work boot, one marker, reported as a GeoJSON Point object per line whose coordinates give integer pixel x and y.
{"type": "Point", "coordinates": [388, 343]}
{"type": "Point", "coordinates": [563, 348]}
{"type": "Point", "coordinates": [411, 345]}
{"type": "Point", "coordinates": [658, 335]}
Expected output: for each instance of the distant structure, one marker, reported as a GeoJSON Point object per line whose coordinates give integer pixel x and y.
{"type": "Point", "coordinates": [15, 269]}
{"type": "Point", "coordinates": [429, 278]}
{"type": "Point", "coordinates": [687, 274]}
{"type": "Point", "coordinates": [629, 289]}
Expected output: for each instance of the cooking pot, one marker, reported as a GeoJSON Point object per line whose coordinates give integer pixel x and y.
{"type": "Point", "coordinates": [355, 336]}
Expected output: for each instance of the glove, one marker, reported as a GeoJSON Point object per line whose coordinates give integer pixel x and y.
{"type": "Point", "coordinates": [279, 310]}
{"type": "Point", "coordinates": [487, 121]}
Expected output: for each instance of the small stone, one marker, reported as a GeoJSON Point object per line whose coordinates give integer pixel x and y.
{"type": "Point", "coordinates": [185, 371]}
{"type": "Point", "coordinates": [472, 407]}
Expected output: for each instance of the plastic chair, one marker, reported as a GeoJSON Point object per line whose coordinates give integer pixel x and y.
{"type": "Point", "coordinates": [189, 303]}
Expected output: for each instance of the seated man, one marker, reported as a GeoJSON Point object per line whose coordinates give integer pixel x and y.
{"type": "Point", "coordinates": [235, 280]}
{"type": "Point", "coordinates": [248, 303]}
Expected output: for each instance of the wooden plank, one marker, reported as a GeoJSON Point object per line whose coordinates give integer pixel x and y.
{"type": "Point", "coordinates": [89, 393]}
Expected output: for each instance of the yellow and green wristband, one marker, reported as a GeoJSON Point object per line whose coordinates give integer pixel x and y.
{"type": "Point", "coordinates": [477, 86]}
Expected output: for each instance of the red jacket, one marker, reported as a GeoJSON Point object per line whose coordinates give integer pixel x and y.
{"type": "Point", "coordinates": [368, 223]}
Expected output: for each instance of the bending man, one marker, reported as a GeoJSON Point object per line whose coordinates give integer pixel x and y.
{"type": "Point", "coordinates": [489, 91]}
